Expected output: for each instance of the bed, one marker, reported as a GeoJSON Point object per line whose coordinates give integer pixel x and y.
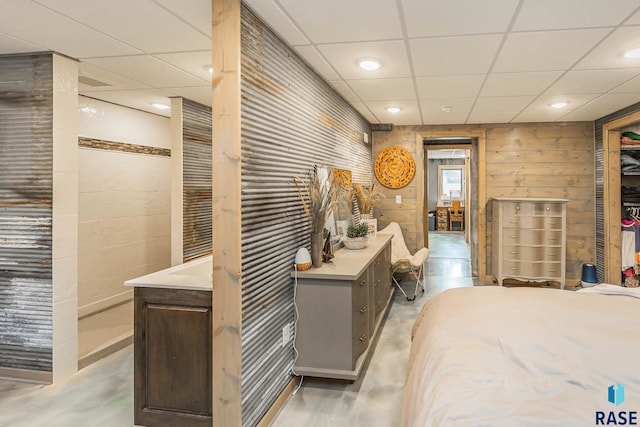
{"type": "Point", "coordinates": [497, 356]}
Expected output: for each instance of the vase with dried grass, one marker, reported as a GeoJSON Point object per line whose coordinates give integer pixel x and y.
{"type": "Point", "coordinates": [367, 196]}
{"type": "Point", "coordinates": [318, 196]}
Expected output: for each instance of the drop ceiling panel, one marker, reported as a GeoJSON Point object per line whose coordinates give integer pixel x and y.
{"type": "Point", "coordinates": [383, 89]}
{"type": "Point", "coordinates": [591, 81]}
{"type": "Point", "coordinates": [585, 115]}
{"type": "Point", "coordinates": [554, 14]}
{"type": "Point", "coordinates": [513, 84]}
{"type": "Point", "coordinates": [108, 18]}
{"type": "Point", "coordinates": [502, 104]}
{"type": "Point", "coordinates": [10, 44]}
{"type": "Point", "coordinates": [344, 90]}
{"type": "Point", "coordinates": [449, 86]}
{"type": "Point", "coordinates": [433, 107]}
{"type": "Point", "coordinates": [574, 101]}
{"type": "Point", "coordinates": [353, 20]}
{"type": "Point", "coordinates": [317, 62]}
{"type": "Point", "coordinates": [115, 81]}
{"type": "Point", "coordinates": [140, 99]}
{"type": "Point", "coordinates": [366, 113]}
{"type": "Point", "coordinates": [482, 117]}
{"type": "Point", "coordinates": [194, 63]}
{"type": "Point", "coordinates": [58, 33]}
{"type": "Point", "coordinates": [532, 52]}
{"type": "Point", "coordinates": [632, 86]}
{"type": "Point", "coordinates": [345, 58]}
{"type": "Point", "coordinates": [612, 102]}
{"type": "Point", "coordinates": [442, 118]}
{"type": "Point", "coordinates": [149, 70]}
{"type": "Point", "coordinates": [409, 113]}
{"type": "Point", "coordinates": [537, 117]}
{"type": "Point", "coordinates": [453, 55]}
{"type": "Point", "coordinates": [280, 22]}
{"type": "Point", "coordinates": [195, 12]}
{"type": "Point", "coordinates": [456, 17]}
{"type": "Point", "coordinates": [634, 20]}
{"type": "Point", "coordinates": [610, 53]}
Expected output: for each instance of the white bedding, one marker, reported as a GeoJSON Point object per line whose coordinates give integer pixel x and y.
{"type": "Point", "coordinates": [496, 356]}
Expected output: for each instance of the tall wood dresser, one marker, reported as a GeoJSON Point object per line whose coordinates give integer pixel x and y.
{"type": "Point", "coordinates": [529, 239]}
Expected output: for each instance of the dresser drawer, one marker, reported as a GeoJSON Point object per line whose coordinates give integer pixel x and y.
{"type": "Point", "coordinates": [547, 209]}
{"type": "Point", "coordinates": [518, 208]}
{"type": "Point", "coordinates": [533, 222]}
{"type": "Point", "coordinates": [532, 253]}
{"type": "Point", "coordinates": [528, 269]}
{"type": "Point", "coordinates": [525, 236]}
{"type": "Point", "coordinates": [360, 340]}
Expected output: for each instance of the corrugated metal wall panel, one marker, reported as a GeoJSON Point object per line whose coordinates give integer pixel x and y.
{"type": "Point", "coordinates": [197, 172]}
{"type": "Point", "coordinates": [26, 192]}
{"type": "Point", "coordinates": [291, 120]}
{"type": "Point", "coordinates": [599, 159]}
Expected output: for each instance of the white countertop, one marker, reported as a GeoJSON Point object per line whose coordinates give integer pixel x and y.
{"type": "Point", "coordinates": [194, 275]}
{"type": "Point", "coordinates": [348, 264]}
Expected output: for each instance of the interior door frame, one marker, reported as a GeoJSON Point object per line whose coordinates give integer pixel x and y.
{"type": "Point", "coordinates": [478, 235]}
{"type": "Point", "coordinates": [611, 194]}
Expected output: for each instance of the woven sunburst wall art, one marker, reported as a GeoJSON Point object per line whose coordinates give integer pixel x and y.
{"type": "Point", "coordinates": [342, 177]}
{"type": "Point", "coordinates": [394, 167]}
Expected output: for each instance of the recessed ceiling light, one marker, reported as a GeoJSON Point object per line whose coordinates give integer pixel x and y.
{"type": "Point", "coordinates": [558, 105]}
{"type": "Point", "coordinates": [633, 53]}
{"type": "Point", "coordinates": [446, 108]}
{"type": "Point", "coordinates": [369, 64]}
{"type": "Point", "coordinates": [393, 109]}
{"type": "Point", "coordinates": [160, 106]}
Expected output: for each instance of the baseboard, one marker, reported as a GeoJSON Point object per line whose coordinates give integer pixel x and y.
{"type": "Point", "coordinates": [273, 411]}
{"type": "Point", "coordinates": [105, 304]}
{"type": "Point", "coordinates": [109, 348]}
{"type": "Point", "coordinates": [26, 375]}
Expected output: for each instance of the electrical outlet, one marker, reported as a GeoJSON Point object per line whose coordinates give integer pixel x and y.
{"type": "Point", "coordinates": [398, 199]}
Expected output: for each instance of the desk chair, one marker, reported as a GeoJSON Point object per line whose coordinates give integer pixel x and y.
{"type": "Point", "coordinates": [403, 262]}
{"type": "Point", "coordinates": [456, 214]}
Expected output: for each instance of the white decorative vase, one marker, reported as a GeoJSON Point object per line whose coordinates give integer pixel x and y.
{"type": "Point", "coordinates": [355, 242]}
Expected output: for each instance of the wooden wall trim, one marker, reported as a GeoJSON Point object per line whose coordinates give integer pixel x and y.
{"type": "Point", "coordinates": [227, 257]}
{"type": "Point", "coordinates": [480, 136]}
{"type": "Point", "coordinates": [277, 406]}
{"type": "Point", "coordinates": [26, 375]}
{"type": "Point", "coordinates": [612, 200]}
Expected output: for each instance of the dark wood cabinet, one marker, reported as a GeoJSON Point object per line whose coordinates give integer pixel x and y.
{"type": "Point", "coordinates": [172, 357]}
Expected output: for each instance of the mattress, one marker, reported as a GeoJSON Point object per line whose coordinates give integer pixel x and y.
{"type": "Point", "coordinates": [496, 356]}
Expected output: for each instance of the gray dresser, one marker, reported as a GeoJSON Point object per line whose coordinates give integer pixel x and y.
{"type": "Point", "coordinates": [529, 239]}
{"type": "Point", "coordinates": [341, 306]}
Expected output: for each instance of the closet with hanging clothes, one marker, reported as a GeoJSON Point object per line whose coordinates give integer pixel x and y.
{"type": "Point", "coordinates": [630, 198]}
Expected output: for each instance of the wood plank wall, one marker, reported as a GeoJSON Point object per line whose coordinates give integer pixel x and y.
{"type": "Point", "coordinates": [522, 160]}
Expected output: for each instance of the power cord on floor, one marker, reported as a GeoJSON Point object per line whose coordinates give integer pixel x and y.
{"type": "Point", "coordinates": [295, 328]}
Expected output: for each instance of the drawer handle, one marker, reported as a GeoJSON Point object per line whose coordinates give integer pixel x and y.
{"type": "Point", "coordinates": [363, 282]}
{"type": "Point", "coordinates": [548, 209]}
{"type": "Point", "coordinates": [517, 208]}
{"type": "Point", "coordinates": [363, 310]}
{"type": "Point", "coordinates": [514, 253]}
{"type": "Point", "coordinates": [514, 268]}
{"type": "Point", "coordinates": [552, 224]}
{"type": "Point", "coordinates": [551, 253]}
{"type": "Point", "coordinates": [513, 236]}
{"type": "Point", "coordinates": [363, 337]}
{"type": "Point", "coordinates": [513, 221]}
{"type": "Point", "coordinates": [552, 238]}
{"type": "Point", "coordinates": [552, 271]}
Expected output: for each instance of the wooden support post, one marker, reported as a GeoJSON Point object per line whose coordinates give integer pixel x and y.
{"type": "Point", "coordinates": [227, 258]}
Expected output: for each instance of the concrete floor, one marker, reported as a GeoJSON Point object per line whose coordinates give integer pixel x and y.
{"type": "Point", "coordinates": [102, 394]}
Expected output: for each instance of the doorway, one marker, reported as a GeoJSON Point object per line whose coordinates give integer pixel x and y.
{"type": "Point", "coordinates": [442, 155]}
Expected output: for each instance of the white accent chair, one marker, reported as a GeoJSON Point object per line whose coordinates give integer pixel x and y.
{"type": "Point", "coordinates": [403, 262]}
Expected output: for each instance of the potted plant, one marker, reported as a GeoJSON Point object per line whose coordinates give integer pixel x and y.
{"type": "Point", "coordinates": [366, 197]}
{"type": "Point", "coordinates": [318, 197]}
{"type": "Point", "coordinates": [357, 236]}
